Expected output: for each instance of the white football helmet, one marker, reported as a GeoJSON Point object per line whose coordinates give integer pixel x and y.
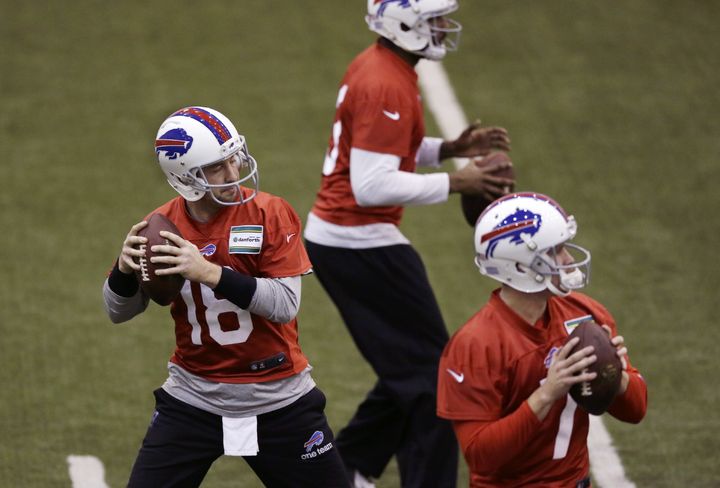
{"type": "Point", "coordinates": [516, 239]}
{"type": "Point", "coordinates": [195, 137]}
{"type": "Point", "coordinates": [407, 24]}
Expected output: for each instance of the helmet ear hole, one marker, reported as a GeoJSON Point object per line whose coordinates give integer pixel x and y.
{"type": "Point", "coordinates": [183, 180]}
{"type": "Point", "coordinates": [523, 271]}
{"type": "Point", "coordinates": [404, 27]}
{"type": "Point", "coordinates": [198, 174]}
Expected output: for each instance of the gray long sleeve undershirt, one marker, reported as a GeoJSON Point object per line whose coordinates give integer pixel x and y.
{"type": "Point", "coordinates": [276, 299]}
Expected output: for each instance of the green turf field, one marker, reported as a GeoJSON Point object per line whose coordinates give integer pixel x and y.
{"type": "Point", "coordinates": [612, 107]}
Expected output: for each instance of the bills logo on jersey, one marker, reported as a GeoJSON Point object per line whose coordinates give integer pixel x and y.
{"type": "Point", "coordinates": [512, 227]}
{"type": "Point", "coordinates": [208, 250]}
{"type": "Point", "coordinates": [384, 4]}
{"type": "Point", "coordinates": [550, 356]}
{"type": "Point", "coordinates": [175, 142]}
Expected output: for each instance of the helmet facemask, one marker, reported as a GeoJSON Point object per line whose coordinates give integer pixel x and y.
{"type": "Point", "coordinates": [571, 276]}
{"type": "Point", "coordinates": [248, 178]}
{"type": "Point", "coordinates": [443, 36]}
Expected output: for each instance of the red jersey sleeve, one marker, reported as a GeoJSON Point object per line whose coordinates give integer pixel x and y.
{"type": "Point", "coordinates": [384, 123]}
{"type": "Point", "coordinates": [470, 386]}
{"type": "Point", "coordinates": [488, 446]}
{"type": "Point", "coordinates": [631, 406]}
{"type": "Point", "coordinates": [283, 251]}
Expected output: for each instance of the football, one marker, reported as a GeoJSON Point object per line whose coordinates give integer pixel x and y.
{"type": "Point", "coordinates": [596, 396]}
{"type": "Point", "coordinates": [473, 205]}
{"type": "Point", "coordinates": [161, 289]}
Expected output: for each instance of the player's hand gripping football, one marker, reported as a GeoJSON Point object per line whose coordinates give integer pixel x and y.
{"type": "Point", "coordinates": [483, 179]}
{"type": "Point", "coordinates": [619, 342]}
{"type": "Point", "coordinates": [131, 249]}
{"type": "Point", "coordinates": [565, 370]}
{"type": "Point", "coordinates": [185, 259]}
{"type": "Point", "coordinates": [476, 141]}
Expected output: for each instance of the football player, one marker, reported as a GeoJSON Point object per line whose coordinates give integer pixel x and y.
{"type": "Point", "coordinates": [505, 375]}
{"type": "Point", "coordinates": [238, 383]}
{"type": "Point", "coordinates": [364, 262]}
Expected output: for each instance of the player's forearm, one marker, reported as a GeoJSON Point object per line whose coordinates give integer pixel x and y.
{"type": "Point", "coordinates": [631, 406]}
{"type": "Point", "coordinates": [540, 403]}
{"type": "Point", "coordinates": [446, 150]}
{"type": "Point", "coordinates": [276, 299]}
{"type": "Point", "coordinates": [403, 188]}
{"type": "Point", "coordinates": [121, 283]}
{"type": "Point", "coordinates": [236, 287]}
{"type": "Point", "coordinates": [122, 308]}
{"type": "Point", "coordinates": [488, 446]}
{"type": "Point", "coordinates": [377, 181]}
{"type": "Point", "coordinates": [429, 152]}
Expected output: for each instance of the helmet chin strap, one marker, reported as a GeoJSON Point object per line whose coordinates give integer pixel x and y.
{"type": "Point", "coordinates": [240, 200]}
{"type": "Point", "coordinates": [568, 282]}
{"type": "Point", "coordinates": [573, 280]}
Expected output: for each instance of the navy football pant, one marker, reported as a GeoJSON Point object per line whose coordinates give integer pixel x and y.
{"type": "Point", "coordinates": [183, 441]}
{"type": "Point", "coordinates": [389, 308]}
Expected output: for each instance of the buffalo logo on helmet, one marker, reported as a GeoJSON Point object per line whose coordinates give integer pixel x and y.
{"type": "Point", "coordinates": [384, 4]}
{"type": "Point", "coordinates": [175, 142]}
{"type": "Point", "coordinates": [515, 224]}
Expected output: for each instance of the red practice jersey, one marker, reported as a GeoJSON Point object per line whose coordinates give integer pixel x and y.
{"type": "Point", "coordinates": [379, 110]}
{"type": "Point", "coordinates": [489, 369]}
{"type": "Point", "coordinates": [216, 339]}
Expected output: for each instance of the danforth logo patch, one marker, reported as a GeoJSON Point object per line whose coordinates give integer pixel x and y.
{"type": "Point", "coordinates": [245, 239]}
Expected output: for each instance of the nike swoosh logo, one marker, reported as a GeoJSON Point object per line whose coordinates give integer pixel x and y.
{"type": "Point", "coordinates": [459, 377]}
{"type": "Point", "coordinates": [289, 236]}
{"type": "Point", "coordinates": [392, 115]}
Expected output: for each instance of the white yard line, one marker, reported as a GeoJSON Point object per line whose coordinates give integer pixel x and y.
{"type": "Point", "coordinates": [605, 463]}
{"type": "Point", "coordinates": [86, 472]}
{"type": "Point", "coordinates": [439, 97]}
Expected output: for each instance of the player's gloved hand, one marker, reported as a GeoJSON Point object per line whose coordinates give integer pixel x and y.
{"type": "Point", "coordinates": [130, 249]}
